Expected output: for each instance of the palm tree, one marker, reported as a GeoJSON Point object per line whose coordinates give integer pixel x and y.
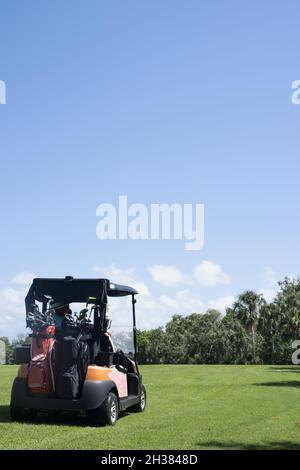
{"type": "Point", "coordinates": [247, 308]}
{"type": "Point", "coordinates": [270, 319]}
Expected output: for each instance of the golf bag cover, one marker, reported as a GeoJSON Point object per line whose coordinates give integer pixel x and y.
{"type": "Point", "coordinates": [40, 375]}
{"type": "Point", "coordinates": [74, 364]}
{"type": "Point", "coordinates": [83, 363]}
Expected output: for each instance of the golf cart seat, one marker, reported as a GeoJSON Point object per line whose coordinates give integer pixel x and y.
{"type": "Point", "coordinates": [109, 359]}
{"type": "Point", "coordinates": [104, 359]}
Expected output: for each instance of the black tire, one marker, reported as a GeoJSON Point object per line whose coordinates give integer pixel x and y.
{"type": "Point", "coordinates": [30, 415]}
{"type": "Point", "coordinates": [107, 413]}
{"type": "Point", "coordinates": [141, 405]}
{"type": "Point", "coordinates": [17, 413]}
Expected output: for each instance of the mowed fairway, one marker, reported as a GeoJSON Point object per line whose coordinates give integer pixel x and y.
{"type": "Point", "coordinates": [189, 407]}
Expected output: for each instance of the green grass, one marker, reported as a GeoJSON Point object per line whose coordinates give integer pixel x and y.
{"type": "Point", "coordinates": [189, 407]}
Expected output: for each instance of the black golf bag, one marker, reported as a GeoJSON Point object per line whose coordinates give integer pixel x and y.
{"type": "Point", "coordinates": [74, 364]}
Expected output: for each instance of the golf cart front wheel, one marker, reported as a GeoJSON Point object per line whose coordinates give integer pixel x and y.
{"type": "Point", "coordinates": [107, 413]}
{"type": "Point", "coordinates": [140, 407]}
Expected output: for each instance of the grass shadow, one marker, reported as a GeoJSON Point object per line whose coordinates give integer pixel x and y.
{"type": "Point", "coordinates": [64, 418]}
{"type": "Point", "coordinates": [283, 383]}
{"type": "Point", "coordinates": [284, 369]}
{"type": "Point", "coordinates": [268, 445]}
{"type": "Point", "coordinates": [4, 414]}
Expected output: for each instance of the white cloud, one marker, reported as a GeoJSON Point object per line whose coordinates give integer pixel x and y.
{"type": "Point", "coordinates": [269, 294]}
{"type": "Point", "coordinates": [122, 276]}
{"type": "Point", "coordinates": [155, 311]}
{"type": "Point", "coordinates": [207, 274]}
{"type": "Point", "coordinates": [221, 303]}
{"type": "Point", "coordinates": [270, 284]}
{"type": "Point", "coordinates": [268, 277]}
{"type": "Point", "coordinates": [169, 302]}
{"type": "Point", "coordinates": [12, 311]}
{"type": "Point", "coordinates": [184, 302]}
{"type": "Point", "coordinates": [151, 313]}
{"type": "Point", "coordinates": [24, 278]}
{"type": "Point", "coordinates": [210, 274]}
{"type": "Point", "coordinates": [189, 302]}
{"type": "Point", "coordinates": [166, 275]}
{"type": "Point", "coordinates": [12, 305]}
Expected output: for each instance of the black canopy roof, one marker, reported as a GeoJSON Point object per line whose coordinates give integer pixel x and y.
{"type": "Point", "coordinates": [70, 290]}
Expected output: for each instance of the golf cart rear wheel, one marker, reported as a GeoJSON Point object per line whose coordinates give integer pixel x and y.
{"type": "Point", "coordinates": [140, 407]}
{"type": "Point", "coordinates": [107, 413]}
{"type": "Point", "coordinates": [17, 413]}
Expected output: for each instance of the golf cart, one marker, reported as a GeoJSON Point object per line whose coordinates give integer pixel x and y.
{"type": "Point", "coordinates": [75, 366]}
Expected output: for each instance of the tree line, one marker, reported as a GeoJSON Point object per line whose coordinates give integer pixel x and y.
{"type": "Point", "coordinates": [251, 331]}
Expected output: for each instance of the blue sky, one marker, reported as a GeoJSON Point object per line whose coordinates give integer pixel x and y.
{"type": "Point", "coordinates": [162, 101]}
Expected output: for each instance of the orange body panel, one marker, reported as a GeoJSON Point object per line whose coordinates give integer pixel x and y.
{"type": "Point", "coordinates": [96, 373]}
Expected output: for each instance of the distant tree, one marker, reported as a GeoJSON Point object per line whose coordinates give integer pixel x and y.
{"type": "Point", "coordinates": [123, 340]}
{"type": "Point", "coordinates": [152, 346]}
{"type": "Point", "coordinates": [21, 339]}
{"type": "Point", "coordinates": [237, 350]}
{"type": "Point", "coordinates": [288, 301]}
{"type": "Point", "coordinates": [176, 340]}
{"type": "Point", "coordinates": [251, 331]}
{"type": "Point", "coordinates": [143, 340]}
{"type": "Point", "coordinates": [248, 308]}
{"type": "Point", "coordinates": [213, 314]}
{"type": "Point", "coordinates": [269, 326]}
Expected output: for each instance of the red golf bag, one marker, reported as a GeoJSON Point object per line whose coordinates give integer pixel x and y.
{"type": "Point", "coordinates": [41, 370]}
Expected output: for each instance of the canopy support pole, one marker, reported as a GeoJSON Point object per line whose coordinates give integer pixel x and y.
{"type": "Point", "coordinates": [134, 328]}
